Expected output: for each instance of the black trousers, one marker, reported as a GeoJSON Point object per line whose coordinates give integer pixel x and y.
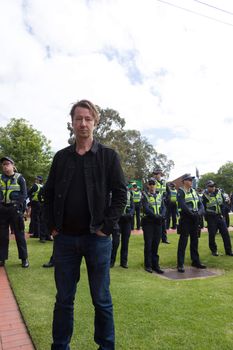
{"type": "Point", "coordinates": [137, 210]}
{"type": "Point", "coordinates": [44, 232]}
{"type": "Point", "coordinates": [188, 226]}
{"type": "Point", "coordinates": [35, 218]}
{"type": "Point", "coordinates": [152, 233]}
{"type": "Point", "coordinates": [9, 216]}
{"type": "Point", "coordinates": [171, 214]}
{"type": "Point", "coordinates": [123, 237]}
{"type": "Point", "coordinates": [216, 223]}
{"type": "Point", "coordinates": [227, 216]}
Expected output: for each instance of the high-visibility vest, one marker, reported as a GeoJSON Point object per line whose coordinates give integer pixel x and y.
{"type": "Point", "coordinates": [154, 201]}
{"type": "Point", "coordinates": [8, 187]}
{"type": "Point", "coordinates": [35, 194]}
{"type": "Point", "coordinates": [137, 195]}
{"type": "Point", "coordinates": [191, 199]}
{"type": "Point", "coordinates": [173, 196]}
{"type": "Point", "coordinates": [128, 203]}
{"type": "Point", "coordinates": [214, 203]}
{"type": "Point", "coordinates": [161, 186]}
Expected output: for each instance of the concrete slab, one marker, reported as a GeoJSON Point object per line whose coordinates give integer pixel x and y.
{"type": "Point", "coordinates": [190, 273]}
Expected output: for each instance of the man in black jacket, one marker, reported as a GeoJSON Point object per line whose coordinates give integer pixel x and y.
{"type": "Point", "coordinates": [81, 218]}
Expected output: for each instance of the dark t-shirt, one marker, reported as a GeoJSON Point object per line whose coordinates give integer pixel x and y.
{"type": "Point", "coordinates": [76, 219]}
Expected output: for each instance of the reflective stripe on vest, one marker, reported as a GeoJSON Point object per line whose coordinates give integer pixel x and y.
{"type": "Point", "coordinates": [128, 203]}
{"type": "Point", "coordinates": [173, 196]}
{"type": "Point", "coordinates": [191, 199]}
{"type": "Point", "coordinates": [161, 187]}
{"type": "Point", "coordinates": [35, 194]}
{"type": "Point", "coordinates": [214, 202]}
{"type": "Point", "coordinates": [10, 186]}
{"type": "Point", "coordinates": [154, 201]}
{"type": "Point", "coordinates": [137, 196]}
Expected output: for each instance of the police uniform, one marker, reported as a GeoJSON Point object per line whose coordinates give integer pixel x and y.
{"type": "Point", "coordinates": [162, 187]}
{"type": "Point", "coordinates": [33, 194]}
{"type": "Point", "coordinates": [12, 203]}
{"type": "Point", "coordinates": [214, 206]}
{"type": "Point", "coordinates": [153, 214]}
{"type": "Point", "coordinates": [123, 234]}
{"type": "Point", "coordinates": [137, 196]}
{"type": "Point", "coordinates": [171, 208]}
{"type": "Point", "coordinates": [190, 208]}
{"type": "Point", "coordinates": [44, 232]}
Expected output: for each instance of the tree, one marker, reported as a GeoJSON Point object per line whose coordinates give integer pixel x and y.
{"type": "Point", "coordinates": [223, 178]}
{"type": "Point", "coordinates": [138, 156]}
{"type": "Point", "coordinates": [29, 149]}
{"type": "Point", "coordinates": [204, 178]}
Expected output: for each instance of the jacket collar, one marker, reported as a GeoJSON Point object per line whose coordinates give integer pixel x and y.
{"type": "Point", "coordinates": [93, 149]}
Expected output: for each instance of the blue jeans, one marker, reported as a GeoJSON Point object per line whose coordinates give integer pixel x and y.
{"type": "Point", "coordinates": [68, 253]}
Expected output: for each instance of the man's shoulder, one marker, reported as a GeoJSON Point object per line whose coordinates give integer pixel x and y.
{"type": "Point", "coordinates": [64, 152]}
{"type": "Point", "coordinates": [106, 150]}
{"type": "Point", "coordinates": [180, 192]}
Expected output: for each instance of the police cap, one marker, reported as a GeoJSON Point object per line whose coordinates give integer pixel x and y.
{"type": "Point", "coordinates": [38, 177]}
{"type": "Point", "coordinates": [151, 181]}
{"type": "Point", "coordinates": [187, 177]}
{"type": "Point", "coordinates": [8, 159]}
{"type": "Point", "coordinates": [157, 171]}
{"type": "Point", "coordinates": [210, 183]}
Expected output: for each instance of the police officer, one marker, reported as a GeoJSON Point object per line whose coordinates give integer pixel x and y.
{"type": "Point", "coordinates": [13, 195]}
{"type": "Point", "coordinates": [137, 196]}
{"type": "Point", "coordinates": [213, 201]}
{"type": "Point", "coordinates": [44, 232]}
{"type": "Point", "coordinates": [153, 214]}
{"type": "Point", "coordinates": [172, 207]}
{"type": "Point", "coordinates": [190, 207]}
{"type": "Point", "coordinates": [35, 206]}
{"type": "Point", "coordinates": [162, 187]}
{"type": "Point", "coordinates": [123, 234]}
{"type": "Point", "coordinates": [226, 207]}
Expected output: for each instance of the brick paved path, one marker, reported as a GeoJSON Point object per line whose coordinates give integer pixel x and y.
{"type": "Point", "coordinates": [13, 332]}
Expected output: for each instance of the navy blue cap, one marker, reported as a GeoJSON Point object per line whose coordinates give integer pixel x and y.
{"type": "Point", "coordinates": [8, 159]}
{"type": "Point", "coordinates": [210, 183]}
{"type": "Point", "coordinates": [187, 177]}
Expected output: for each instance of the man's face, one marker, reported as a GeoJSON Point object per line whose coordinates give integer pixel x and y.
{"type": "Point", "coordinates": [83, 123]}
{"type": "Point", "coordinates": [188, 183]}
{"type": "Point", "coordinates": [158, 176]}
{"type": "Point", "coordinates": [211, 189]}
{"type": "Point", "coordinates": [151, 187]}
{"type": "Point", "coordinates": [7, 168]}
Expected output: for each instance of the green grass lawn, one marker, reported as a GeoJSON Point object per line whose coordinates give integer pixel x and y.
{"type": "Point", "coordinates": [151, 313]}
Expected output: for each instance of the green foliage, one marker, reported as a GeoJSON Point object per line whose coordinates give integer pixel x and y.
{"type": "Point", "coordinates": [150, 312]}
{"type": "Point", "coordinates": [223, 177]}
{"type": "Point", "coordinates": [138, 156]}
{"type": "Point", "coordinates": [204, 178]}
{"type": "Point", "coordinates": [29, 149]}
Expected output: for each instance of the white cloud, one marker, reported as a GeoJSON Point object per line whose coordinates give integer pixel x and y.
{"type": "Point", "coordinates": [159, 66]}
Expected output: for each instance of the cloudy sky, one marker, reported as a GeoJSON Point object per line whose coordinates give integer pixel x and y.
{"type": "Point", "coordinates": [168, 71]}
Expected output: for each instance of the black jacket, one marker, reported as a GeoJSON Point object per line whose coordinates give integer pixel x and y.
{"type": "Point", "coordinates": [103, 176]}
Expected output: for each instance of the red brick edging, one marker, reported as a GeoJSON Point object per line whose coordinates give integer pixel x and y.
{"type": "Point", "coordinates": [13, 332]}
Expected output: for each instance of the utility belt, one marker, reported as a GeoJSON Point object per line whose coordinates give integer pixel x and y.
{"type": "Point", "coordinates": [8, 204]}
